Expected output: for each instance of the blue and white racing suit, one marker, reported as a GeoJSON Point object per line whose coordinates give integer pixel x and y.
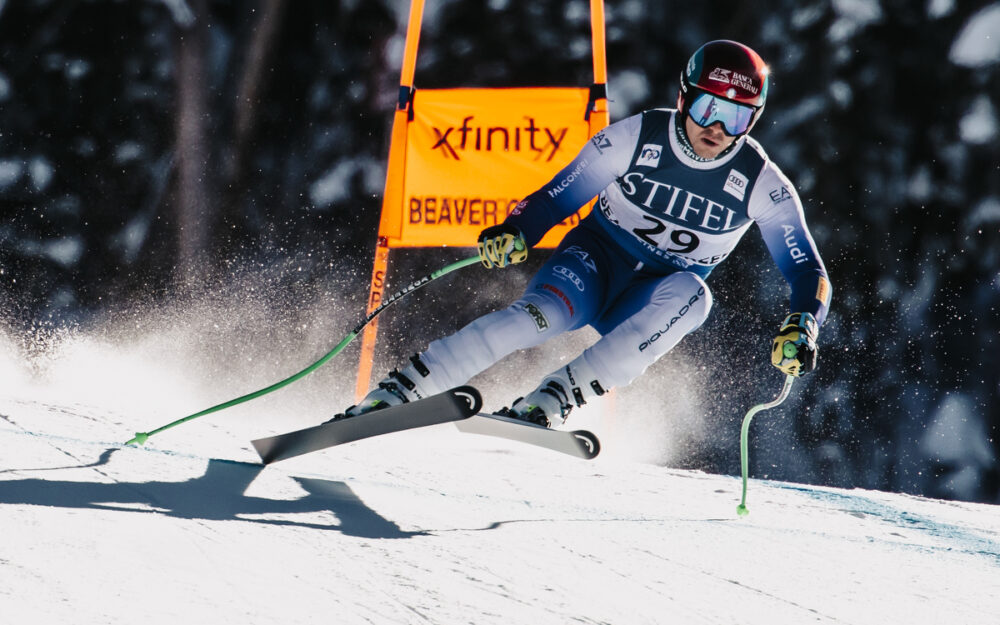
{"type": "Point", "coordinates": [635, 268]}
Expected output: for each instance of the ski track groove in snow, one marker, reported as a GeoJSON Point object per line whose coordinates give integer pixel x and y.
{"type": "Point", "coordinates": [434, 526]}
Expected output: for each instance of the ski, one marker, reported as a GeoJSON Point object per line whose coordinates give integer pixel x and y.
{"type": "Point", "coordinates": [579, 443]}
{"type": "Point", "coordinates": [454, 405]}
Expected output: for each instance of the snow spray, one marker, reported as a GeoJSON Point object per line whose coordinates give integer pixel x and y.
{"type": "Point", "coordinates": [141, 437]}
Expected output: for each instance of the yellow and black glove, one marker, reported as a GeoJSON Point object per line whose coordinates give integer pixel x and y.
{"type": "Point", "coordinates": [794, 349]}
{"type": "Point", "coordinates": [502, 245]}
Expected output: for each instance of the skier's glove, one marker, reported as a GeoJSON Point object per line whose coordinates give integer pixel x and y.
{"type": "Point", "coordinates": [794, 349]}
{"type": "Point", "coordinates": [502, 245]}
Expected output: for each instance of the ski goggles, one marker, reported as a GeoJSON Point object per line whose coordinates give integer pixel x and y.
{"type": "Point", "coordinates": [706, 109]}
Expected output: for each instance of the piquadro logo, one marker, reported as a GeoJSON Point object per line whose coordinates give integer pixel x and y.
{"type": "Point", "coordinates": [673, 320]}
{"type": "Point", "coordinates": [530, 137]}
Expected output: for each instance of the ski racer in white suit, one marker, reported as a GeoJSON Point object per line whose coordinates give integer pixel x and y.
{"type": "Point", "coordinates": [676, 189]}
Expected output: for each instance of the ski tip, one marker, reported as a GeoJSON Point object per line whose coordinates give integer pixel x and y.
{"type": "Point", "coordinates": [589, 444]}
{"type": "Point", "coordinates": [265, 452]}
{"type": "Point", "coordinates": [267, 460]}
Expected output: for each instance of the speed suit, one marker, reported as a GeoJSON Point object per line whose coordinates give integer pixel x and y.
{"type": "Point", "coordinates": [635, 268]}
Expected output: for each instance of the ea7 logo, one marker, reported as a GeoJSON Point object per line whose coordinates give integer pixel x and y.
{"type": "Point", "coordinates": [583, 256]}
{"type": "Point", "coordinates": [780, 195]}
{"type": "Point", "coordinates": [601, 142]}
{"type": "Point", "coordinates": [649, 156]}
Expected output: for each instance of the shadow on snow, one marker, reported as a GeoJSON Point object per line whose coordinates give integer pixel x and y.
{"type": "Point", "coordinates": [218, 495]}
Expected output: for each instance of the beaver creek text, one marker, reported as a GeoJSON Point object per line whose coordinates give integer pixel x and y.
{"type": "Point", "coordinates": [459, 211]}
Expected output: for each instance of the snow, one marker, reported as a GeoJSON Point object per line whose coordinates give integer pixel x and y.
{"type": "Point", "coordinates": [76, 69]}
{"type": "Point", "coordinates": [127, 152]}
{"type": "Point", "coordinates": [985, 213]}
{"type": "Point", "coordinates": [852, 16]}
{"type": "Point", "coordinates": [956, 440]}
{"type": "Point", "coordinates": [10, 172]}
{"type": "Point", "coordinates": [979, 125]}
{"type": "Point", "coordinates": [978, 44]}
{"type": "Point", "coordinates": [427, 526]}
{"type": "Point", "coordinates": [631, 87]}
{"type": "Point", "coordinates": [180, 12]}
{"type": "Point", "coordinates": [335, 185]}
{"type": "Point", "coordinates": [940, 8]}
{"type": "Point", "coordinates": [66, 251]}
{"type": "Point", "coordinates": [41, 171]}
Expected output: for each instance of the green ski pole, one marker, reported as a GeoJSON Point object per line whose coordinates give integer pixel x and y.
{"type": "Point", "coordinates": [141, 437]}
{"type": "Point", "coordinates": [741, 510]}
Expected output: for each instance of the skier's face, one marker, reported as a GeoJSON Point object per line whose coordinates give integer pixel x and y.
{"type": "Point", "coordinates": [707, 142]}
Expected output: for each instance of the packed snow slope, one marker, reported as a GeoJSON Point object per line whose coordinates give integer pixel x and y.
{"type": "Point", "coordinates": [436, 526]}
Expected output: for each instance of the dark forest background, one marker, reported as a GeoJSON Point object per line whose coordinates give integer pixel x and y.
{"type": "Point", "coordinates": [149, 150]}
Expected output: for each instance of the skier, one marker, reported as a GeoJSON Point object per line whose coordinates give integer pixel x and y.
{"type": "Point", "coordinates": [676, 190]}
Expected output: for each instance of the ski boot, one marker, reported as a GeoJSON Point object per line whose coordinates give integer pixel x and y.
{"type": "Point", "coordinates": [545, 406]}
{"type": "Point", "coordinates": [399, 387]}
{"type": "Point", "coordinates": [550, 404]}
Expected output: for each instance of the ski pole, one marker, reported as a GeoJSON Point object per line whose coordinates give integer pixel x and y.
{"type": "Point", "coordinates": [141, 437]}
{"type": "Point", "coordinates": [741, 510]}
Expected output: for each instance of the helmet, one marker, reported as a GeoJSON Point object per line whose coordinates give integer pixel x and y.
{"type": "Point", "coordinates": [729, 70]}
